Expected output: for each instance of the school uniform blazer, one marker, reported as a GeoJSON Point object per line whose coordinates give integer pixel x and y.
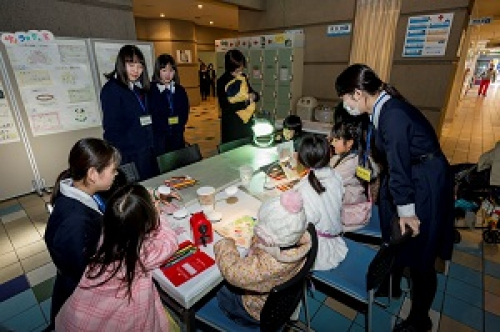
{"type": "Point", "coordinates": [71, 236]}
{"type": "Point", "coordinates": [232, 127]}
{"type": "Point", "coordinates": [412, 185]}
{"type": "Point", "coordinates": [168, 137]}
{"type": "Point", "coordinates": [121, 112]}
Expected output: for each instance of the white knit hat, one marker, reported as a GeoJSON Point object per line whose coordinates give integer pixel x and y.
{"type": "Point", "coordinates": [282, 220]}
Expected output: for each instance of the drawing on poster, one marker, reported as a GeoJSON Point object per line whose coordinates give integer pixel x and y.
{"type": "Point", "coordinates": [427, 35]}
{"type": "Point", "coordinates": [8, 130]}
{"type": "Point", "coordinates": [33, 77]}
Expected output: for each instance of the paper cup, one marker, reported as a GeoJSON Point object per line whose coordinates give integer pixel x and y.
{"type": "Point", "coordinates": [246, 173]}
{"type": "Point", "coordinates": [164, 192]}
{"type": "Point", "coordinates": [206, 197]}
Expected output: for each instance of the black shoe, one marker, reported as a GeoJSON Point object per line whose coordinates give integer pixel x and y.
{"type": "Point", "coordinates": [384, 292]}
{"type": "Point", "coordinates": [409, 325]}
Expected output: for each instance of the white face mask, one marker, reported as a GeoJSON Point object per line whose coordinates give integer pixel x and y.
{"type": "Point", "coordinates": [352, 111]}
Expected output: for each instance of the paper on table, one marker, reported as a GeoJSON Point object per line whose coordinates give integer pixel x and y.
{"type": "Point", "coordinates": [241, 230]}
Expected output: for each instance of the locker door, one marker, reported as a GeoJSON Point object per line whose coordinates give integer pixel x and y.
{"type": "Point", "coordinates": [268, 98]}
{"type": "Point", "coordinates": [270, 67]}
{"type": "Point", "coordinates": [255, 67]}
{"type": "Point", "coordinates": [283, 101]}
{"type": "Point", "coordinates": [284, 65]}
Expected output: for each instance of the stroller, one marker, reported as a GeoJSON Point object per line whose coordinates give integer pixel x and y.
{"type": "Point", "coordinates": [476, 197]}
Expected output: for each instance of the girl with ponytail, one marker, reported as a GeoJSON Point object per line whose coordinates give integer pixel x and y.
{"type": "Point", "coordinates": [322, 192]}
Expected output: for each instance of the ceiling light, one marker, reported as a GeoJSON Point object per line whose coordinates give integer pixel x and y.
{"type": "Point", "coordinates": [211, 22]}
{"type": "Point", "coordinates": [200, 6]}
{"type": "Point", "coordinates": [162, 15]}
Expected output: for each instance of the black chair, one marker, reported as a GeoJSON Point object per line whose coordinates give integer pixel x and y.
{"type": "Point", "coordinates": [281, 303]}
{"type": "Point", "coordinates": [224, 147]}
{"type": "Point", "coordinates": [179, 158]}
{"type": "Point", "coordinates": [355, 280]}
{"type": "Point", "coordinates": [130, 172]}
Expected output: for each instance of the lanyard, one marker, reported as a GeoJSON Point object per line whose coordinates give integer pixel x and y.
{"type": "Point", "coordinates": [139, 100]}
{"type": "Point", "coordinates": [170, 100]}
{"type": "Point", "coordinates": [370, 129]}
{"type": "Point", "coordinates": [100, 202]}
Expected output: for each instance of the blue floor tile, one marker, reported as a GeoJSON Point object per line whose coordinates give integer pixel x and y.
{"type": "Point", "coordinates": [465, 274]}
{"type": "Point", "coordinates": [26, 321]}
{"type": "Point", "coordinates": [312, 306]}
{"type": "Point", "coordinates": [463, 312]}
{"type": "Point", "coordinates": [437, 304]}
{"type": "Point", "coordinates": [13, 287]}
{"type": "Point", "coordinates": [326, 319]}
{"type": "Point", "coordinates": [381, 320]}
{"type": "Point", "coordinates": [316, 295]}
{"type": "Point", "coordinates": [491, 322]}
{"type": "Point", "coordinates": [465, 292]}
{"type": "Point", "coordinates": [45, 305]}
{"type": "Point", "coordinates": [10, 209]}
{"type": "Point", "coordinates": [21, 302]}
{"type": "Point", "coordinates": [356, 328]}
{"type": "Point", "coordinates": [441, 282]}
{"type": "Point", "coordinates": [491, 268]}
{"type": "Point", "coordinates": [469, 248]}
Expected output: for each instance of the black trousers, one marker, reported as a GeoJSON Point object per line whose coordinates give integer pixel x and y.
{"type": "Point", "coordinates": [423, 291]}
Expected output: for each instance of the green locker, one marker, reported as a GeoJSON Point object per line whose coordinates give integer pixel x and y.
{"type": "Point", "coordinates": [269, 73]}
{"type": "Point", "coordinates": [285, 67]}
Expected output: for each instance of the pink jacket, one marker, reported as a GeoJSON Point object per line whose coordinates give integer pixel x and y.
{"type": "Point", "coordinates": [108, 308]}
{"type": "Point", "coordinates": [354, 190]}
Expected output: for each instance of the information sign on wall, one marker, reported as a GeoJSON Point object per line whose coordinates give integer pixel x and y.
{"type": "Point", "coordinates": [427, 35]}
{"type": "Point", "coordinates": [338, 30]}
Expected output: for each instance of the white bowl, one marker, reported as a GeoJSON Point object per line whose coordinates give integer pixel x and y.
{"type": "Point", "coordinates": [180, 214]}
{"type": "Point", "coordinates": [231, 190]}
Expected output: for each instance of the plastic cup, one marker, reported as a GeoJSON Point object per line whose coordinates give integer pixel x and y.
{"type": "Point", "coordinates": [246, 173]}
{"type": "Point", "coordinates": [206, 197]}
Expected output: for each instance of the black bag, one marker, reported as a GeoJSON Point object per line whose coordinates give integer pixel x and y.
{"type": "Point", "coordinates": [397, 236]}
{"type": "Point", "coordinates": [381, 266]}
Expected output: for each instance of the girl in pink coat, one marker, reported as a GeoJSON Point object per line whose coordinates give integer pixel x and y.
{"type": "Point", "coordinates": [116, 292]}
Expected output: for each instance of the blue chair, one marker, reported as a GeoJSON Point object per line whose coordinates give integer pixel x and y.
{"type": "Point", "coordinates": [355, 280]}
{"type": "Point", "coordinates": [280, 304]}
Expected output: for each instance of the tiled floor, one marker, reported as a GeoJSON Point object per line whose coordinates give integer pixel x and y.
{"type": "Point", "coordinates": [468, 299]}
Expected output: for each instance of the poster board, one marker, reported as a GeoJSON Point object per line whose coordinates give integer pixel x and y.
{"type": "Point", "coordinates": [60, 74]}
{"type": "Point", "coordinates": [105, 52]}
{"type": "Point", "coordinates": [56, 86]}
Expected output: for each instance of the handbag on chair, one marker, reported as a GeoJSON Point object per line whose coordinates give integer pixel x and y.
{"type": "Point", "coordinates": [355, 216]}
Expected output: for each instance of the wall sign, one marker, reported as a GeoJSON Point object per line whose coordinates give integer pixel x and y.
{"type": "Point", "coordinates": [339, 30]}
{"type": "Point", "coordinates": [427, 35]}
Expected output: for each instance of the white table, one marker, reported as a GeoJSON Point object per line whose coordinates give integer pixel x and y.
{"type": "Point", "coordinates": [194, 289]}
{"type": "Point", "coordinates": [219, 172]}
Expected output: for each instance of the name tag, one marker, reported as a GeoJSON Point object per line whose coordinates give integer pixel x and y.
{"type": "Point", "coordinates": [145, 120]}
{"type": "Point", "coordinates": [173, 120]}
{"type": "Point", "coordinates": [363, 173]}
